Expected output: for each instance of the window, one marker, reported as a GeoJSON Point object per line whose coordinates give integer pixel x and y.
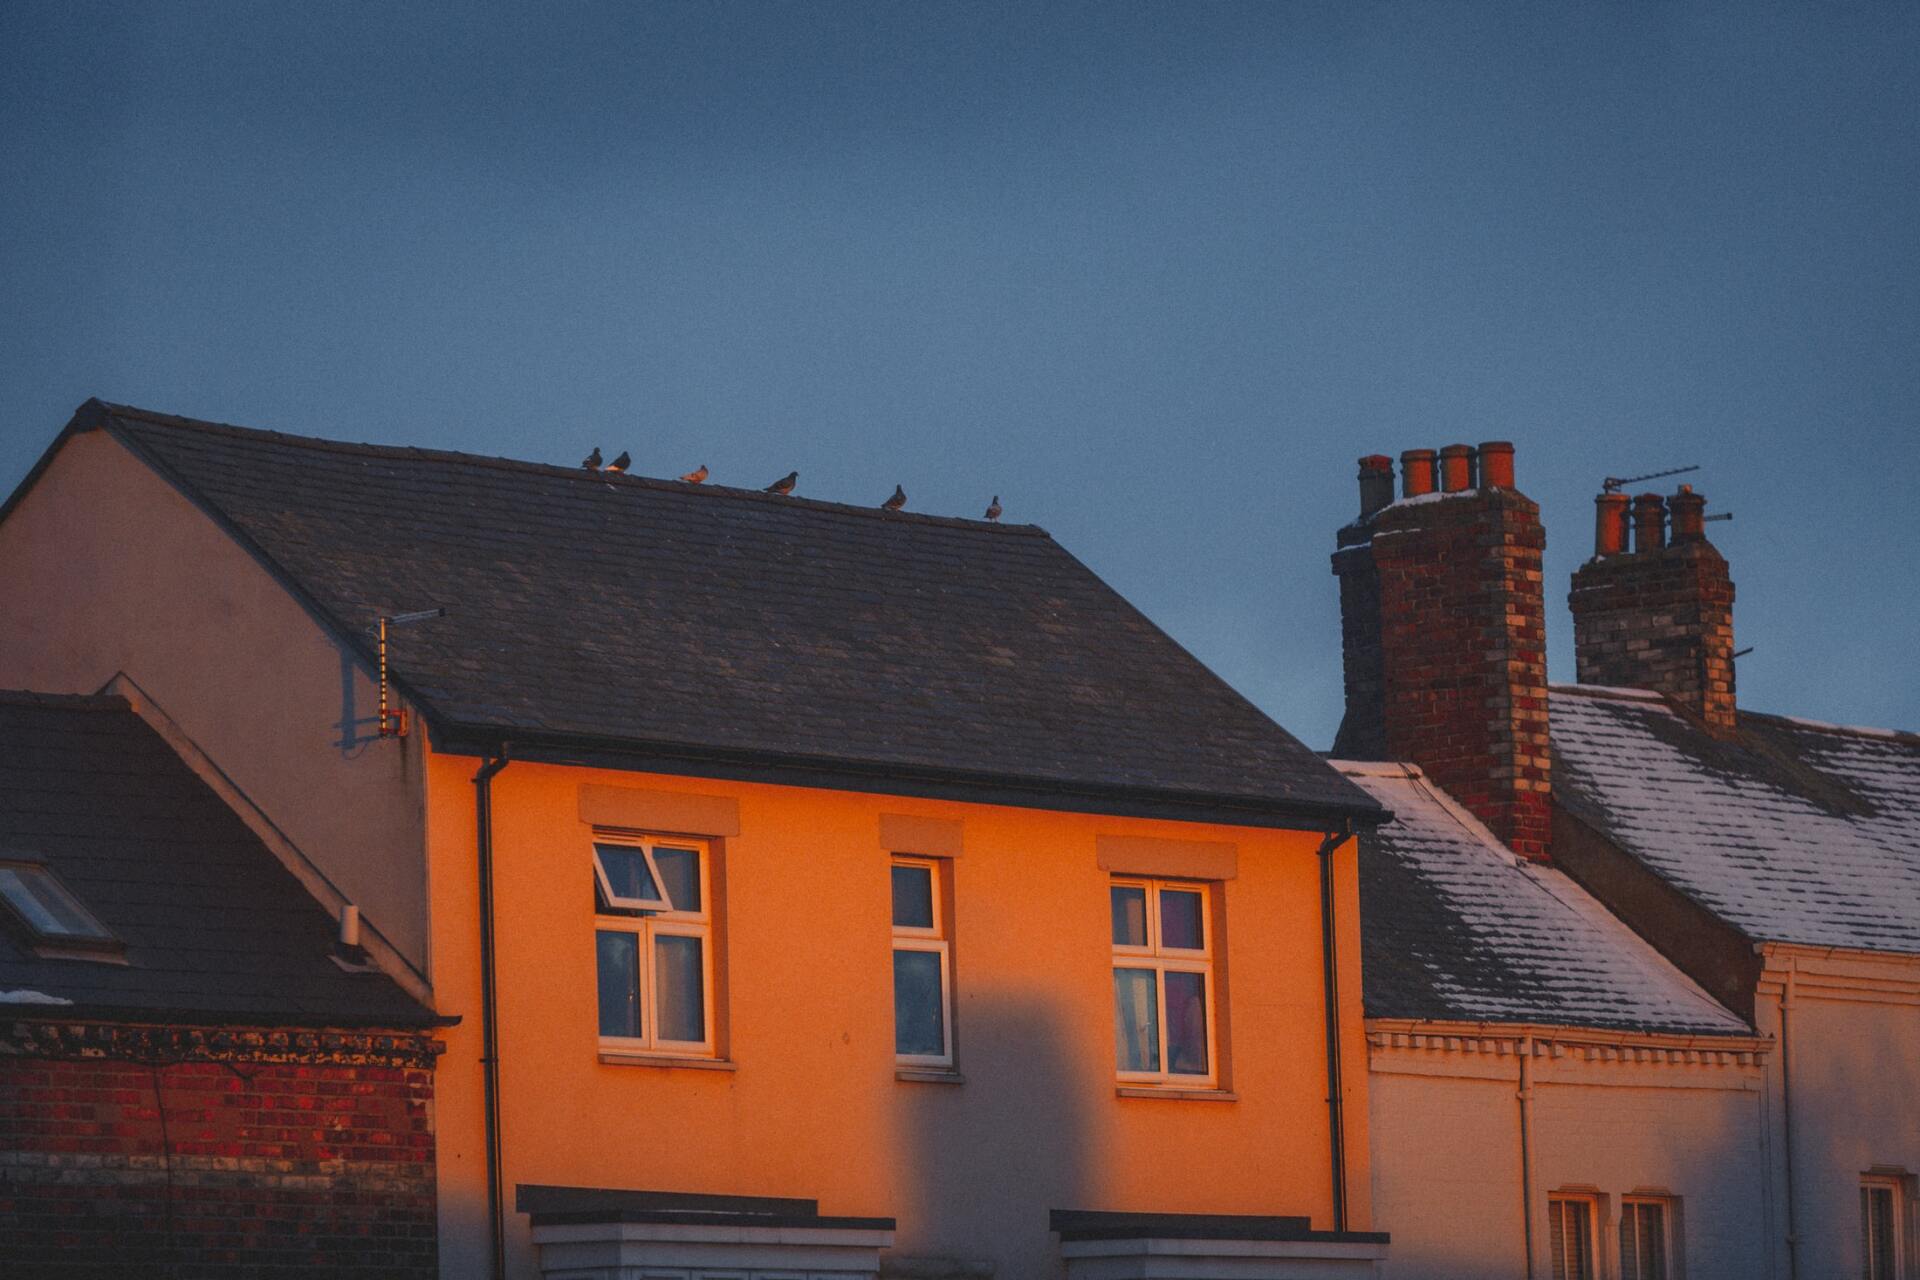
{"type": "Point", "coordinates": [653, 934]}
{"type": "Point", "coordinates": [55, 921]}
{"type": "Point", "coordinates": [1570, 1236]}
{"type": "Point", "coordinates": [1646, 1238]}
{"type": "Point", "coordinates": [1163, 994]}
{"type": "Point", "coordinates": [922, 967]}
{"type": "Point", "coordinates": [1882, 1231]}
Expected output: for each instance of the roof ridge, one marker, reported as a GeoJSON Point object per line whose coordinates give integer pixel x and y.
{"type": "Point", "coordinates": [422, 454]}
{"type": "Point", "coordinates": [71, 701]}
{"type": "Point", "coordinates": [1847, 730]}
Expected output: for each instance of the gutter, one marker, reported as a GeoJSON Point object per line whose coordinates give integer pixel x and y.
{"type": "Point", "coordinates": [489, 1019]}
{"type": "Point", "coordinates": [1336, 1127]}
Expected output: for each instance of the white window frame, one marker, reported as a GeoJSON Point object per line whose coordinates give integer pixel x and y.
{"type": "Point", "coordinates": [40, 885]}
{"type": "Point", "coordinates": [1670, 1260]}
{"type": "Point", "coordinates": [1895, 1185]}
{"type": "Point", "coordinates": [657, 923]}
{"type": "Point", "coordinates": [1596, 1229]}
{"type": "Point", "coordinates": [1163, 960]}
{"type": "Point", "coordinates": [936, 940]}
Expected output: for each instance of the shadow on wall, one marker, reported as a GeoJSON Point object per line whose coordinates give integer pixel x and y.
{"type": "Point", "coordinates": [984, 1161]}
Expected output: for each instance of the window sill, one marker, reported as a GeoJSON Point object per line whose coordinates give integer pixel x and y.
{"type": "Point", "coordinates": [614, 1058]}
{"type": "Point", "coordinates": [929, 1075]}
{"type": "Point", "coordinates": [1188, 1095]}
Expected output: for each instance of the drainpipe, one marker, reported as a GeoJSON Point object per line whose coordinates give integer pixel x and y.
{"type": "Point", "coordinates": [1526, 1147]}
{"type": "Point", "coordinates": [1786, 1116]}
{"type": "Point", "coordinates": [489, 1022]}
{"type": "Point", "coordinates": [1336, 1128]}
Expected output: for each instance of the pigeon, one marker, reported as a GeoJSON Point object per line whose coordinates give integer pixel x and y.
{"type": "Point", "coordinates": [696, 476]}
{"type": "Point", "coordinates": [897, 501]}
{"type": "Point", "coordinates": [592, 461]}
{"type": "Point", "coordinates": [993, 512]}
{"type": "Point", "coordinates": [620, 463]}
{"type": "Point", "coordinates": [784, 485]}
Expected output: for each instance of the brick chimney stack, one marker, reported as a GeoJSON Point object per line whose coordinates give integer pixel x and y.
{"type": "Point", "coordinates": [1661, 616]}
{"type": "Point", "coordinates": [1443, 634]}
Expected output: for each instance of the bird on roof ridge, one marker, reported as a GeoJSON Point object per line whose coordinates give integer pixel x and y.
{"type": "Point", "coordinates": [993, 510]}
{"type": "Point", "coordinates": [592, 461]}
{"type": "Point", "coordinates": [897, 501]}
{"type": "Point", "coordinates": [620, 463]}
{"type": "Point", "coordinates": [697, 476]}
{"type": "Point", "coordinates": [784, 485]}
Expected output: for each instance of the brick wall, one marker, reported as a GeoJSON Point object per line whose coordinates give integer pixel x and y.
{"type": "Point", "coordinates": [1661, 619]}
{"type": "Point", "coordinates": [1444, 634]}
{"type": "Point", "coordinates": [162, 1151]}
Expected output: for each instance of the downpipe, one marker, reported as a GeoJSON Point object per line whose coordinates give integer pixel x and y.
{"type": "Point", "coordinates": [489, 1021]}
{"type": "Point", "coordinates": [1336, 1127]}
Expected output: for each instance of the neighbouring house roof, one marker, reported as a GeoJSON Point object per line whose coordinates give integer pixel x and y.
{"type": "Point", "coordinates": [214, 928]}
{"type": "Point", "coordinates": [728, 627]}
{"type": "Point", "coordinates": [1456, 928]}
{"type": "Point", "coordinates": [1790, 831]}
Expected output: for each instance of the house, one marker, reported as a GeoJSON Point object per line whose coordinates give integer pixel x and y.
{"type": "Point", "coordinates": [818, 889]}
{"type": "Point", "coordinates": [1636, 961]}
{"type": "Point", "coordinates": [195, 1076]}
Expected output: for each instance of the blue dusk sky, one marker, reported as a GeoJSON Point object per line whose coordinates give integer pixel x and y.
{"type": "Point", "coordinates": [1155, 274]}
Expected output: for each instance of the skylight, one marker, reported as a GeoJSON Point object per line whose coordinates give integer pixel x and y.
{"type": "Point", "coordinates": [48, 910]}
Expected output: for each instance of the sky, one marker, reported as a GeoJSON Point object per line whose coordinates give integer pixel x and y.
{"type": "Point", "coordinates": [1156, 275]}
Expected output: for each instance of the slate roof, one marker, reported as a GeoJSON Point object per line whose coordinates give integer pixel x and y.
{"type": "Point", "coordinates": [1454, 927]}
{"type": "Point", "coordinates": [1789, 831]}
{"type": "Point", "coordinates": [216, 929]}
{"type": "Point", "coordinates": [719, 624]}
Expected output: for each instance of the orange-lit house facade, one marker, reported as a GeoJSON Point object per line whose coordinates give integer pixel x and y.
{"type": "Point", "coordinates": [818, 890]}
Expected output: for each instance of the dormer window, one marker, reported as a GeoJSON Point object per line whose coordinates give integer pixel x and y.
{"type": "Point", "coordinates": [57, 924]}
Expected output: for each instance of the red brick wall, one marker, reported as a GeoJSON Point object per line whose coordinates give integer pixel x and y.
{"type": "Point", "coordinates": [230, 1167]}
{"type": "Point", "coordinates": [1445, 603]}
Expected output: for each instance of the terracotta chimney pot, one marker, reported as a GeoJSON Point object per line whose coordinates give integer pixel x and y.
{"type": "Point", "coordinates": [1496, 465]}
{"type": "Point", "coordinates": [1689, 515]}
{"type": "Point", "coordinates": [1416, 472]}
{"type": "Point", "coordinates": [1610, 524]}
{"type": "Point", "coordinates": [1456, 468]}
{"type": "Point", "coordinates": [1649, 522]}
{"type": "Point", "coordinates": [1376, 483]}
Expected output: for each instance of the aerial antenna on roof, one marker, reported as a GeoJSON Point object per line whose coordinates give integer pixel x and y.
{"type": "Point", "coordinates": [393, 720]}
{"type": "Point", "coordinates": [1614, 484]}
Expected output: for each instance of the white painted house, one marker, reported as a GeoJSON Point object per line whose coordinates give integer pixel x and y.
{"type": "Point", "coordinates": [1642, 969]}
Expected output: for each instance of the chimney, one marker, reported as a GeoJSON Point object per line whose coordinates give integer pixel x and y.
{"type": "Point", "coordinates": [1661, 617]}
{"type": "Point", "coordinates": [1443, 635]}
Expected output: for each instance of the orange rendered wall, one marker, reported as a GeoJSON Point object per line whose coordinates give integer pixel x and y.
{"type": "Point", "coordinates": [813, 1107]}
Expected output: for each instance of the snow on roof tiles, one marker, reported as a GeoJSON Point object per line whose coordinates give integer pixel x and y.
{"type": "Point", "coordinates": [1790, 831]}
{"type": "Point", "coordinates": [1454, 927]}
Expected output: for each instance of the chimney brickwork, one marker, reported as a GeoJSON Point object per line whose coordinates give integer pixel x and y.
{"type": "Point", "coordinates": [1661, 616]}
{"type": "Point", "coordinates": [1444, 639]}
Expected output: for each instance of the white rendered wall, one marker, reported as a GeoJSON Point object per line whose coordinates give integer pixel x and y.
{"type": "Point", "coordinates": [1447, 1155]}
{"type": "Point", "coordinates": [1854, 1041]}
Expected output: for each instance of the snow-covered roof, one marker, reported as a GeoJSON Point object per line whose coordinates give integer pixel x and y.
{"type": "Point", "coordinates": [1790, 831]}
{"type": "Point", "coordinates": [1455, 927]}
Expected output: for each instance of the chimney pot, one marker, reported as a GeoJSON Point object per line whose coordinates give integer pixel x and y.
{"type": "Point", "coordinates": [349, 925]}
{"type": "Point", "coordinates": [1610, 524]}
{"type": "Point", "coordinates": [1689, 518]}
{"type": "Point", "coordinates": [1649, 522]}
{"type": "Point", "coordinates": [1496, 465]}
{"type": "Point", "coordinates": [1376, 483]}
{"type": "Point", "coordinates": [1416, 472]}
{"type": "Point", "coordinates": [1456, 468]}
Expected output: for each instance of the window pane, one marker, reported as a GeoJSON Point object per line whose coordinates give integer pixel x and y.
{"type": "Point", "coordinates": [913, 898]}
{"type": "Point", "coordinates": [1129, 916]}
{"type": "Point", "coordinates": [1630, 1242]}
{"type": "Point", "coordinates": [1571, 1236]}
{"type": "Point", "coordinates": [627, 872]}
{"type": "Point", "coordinates": [1180, 921]}
{"type": "Point", "coordinates": [1880, 1233]}
{"type": "Point", "coordinates": [44, 905]}
{"type": "Point", "coordinates": [917, 1025]}
{"type": "Point", "coordinates": [619, 983]}
{"type": "Point", "coordinates": [680, 877]}
{"type": "Point", "coordinates": [1186, 1023]}
{"type": "Point", "coordinates": [679, 988]}
{"type": "Point", "coordinates": [1653, 1242]}
{"type": "Point", "coordinates": [1136, 1017]}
